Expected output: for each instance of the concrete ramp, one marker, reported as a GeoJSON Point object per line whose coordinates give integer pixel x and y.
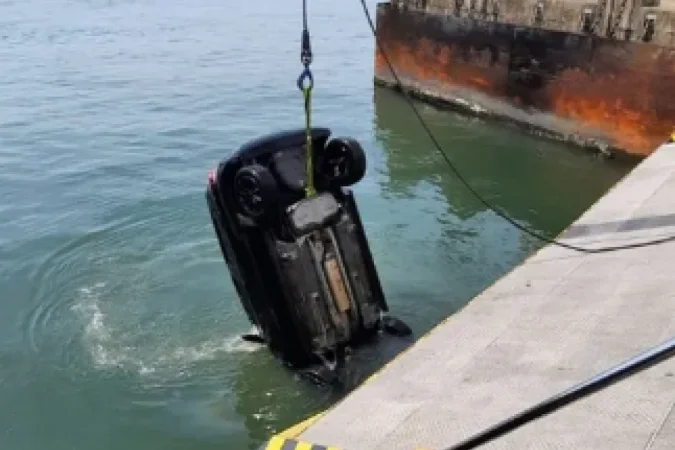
{"type": "Point", "coordinates": [557, 319]}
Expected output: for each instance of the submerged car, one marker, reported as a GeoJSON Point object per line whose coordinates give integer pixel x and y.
{"type": "Point", "coordinates": [301, 264]}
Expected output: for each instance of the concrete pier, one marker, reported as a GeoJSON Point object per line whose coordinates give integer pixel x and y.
{"type": "Point", "coordinates": [555, 320]}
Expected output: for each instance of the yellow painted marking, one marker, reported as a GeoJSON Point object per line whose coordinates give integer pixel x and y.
{"type": "Point", "coordinates": [303, 446]}
{"type": "Point", "coordinates": [275, 443]}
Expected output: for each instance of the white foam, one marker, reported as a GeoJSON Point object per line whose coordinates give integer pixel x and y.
{"type": "Point", "coordinates": [109, 348]}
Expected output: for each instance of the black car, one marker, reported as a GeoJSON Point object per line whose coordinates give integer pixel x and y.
{"type": "Point", "coordinates": [301, 264]}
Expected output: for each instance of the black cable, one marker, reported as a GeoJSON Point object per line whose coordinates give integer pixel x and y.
{"type": "Point", "coordinates": [473, 191]}
{"type": "Point", "coordinates": [305, 44]}
{"type": "Point", "coordinates": [636, 364]}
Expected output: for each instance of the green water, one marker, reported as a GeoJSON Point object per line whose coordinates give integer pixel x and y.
{"type": "Point", "coordinates": [118, 321]}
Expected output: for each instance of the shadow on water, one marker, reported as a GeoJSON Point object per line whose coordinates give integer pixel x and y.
{"type": "Point", "coordinates": [271, 398]}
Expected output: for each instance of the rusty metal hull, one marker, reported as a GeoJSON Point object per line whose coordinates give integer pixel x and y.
{"type": "Point", "coordinates": [595, 91]}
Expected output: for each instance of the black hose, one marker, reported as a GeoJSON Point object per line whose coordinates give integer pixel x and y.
{"type": "Point", "coordinates": [641, 362]}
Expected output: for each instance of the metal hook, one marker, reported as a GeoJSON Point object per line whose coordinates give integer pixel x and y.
{"type": "Point", "coordinates": [306, 75]}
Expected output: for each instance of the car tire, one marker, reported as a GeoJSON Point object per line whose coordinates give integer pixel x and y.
{"type": "Point", "coordinates": [344, 162]}
{"type": "Point", "coordinates": [255, 191]}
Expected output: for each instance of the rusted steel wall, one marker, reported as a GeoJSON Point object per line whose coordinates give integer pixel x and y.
{"type": "Point", "coordinates": [617, 93]}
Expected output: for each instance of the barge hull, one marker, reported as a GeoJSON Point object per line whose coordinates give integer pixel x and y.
{"type": "Point", "coordinates": [594, 91]}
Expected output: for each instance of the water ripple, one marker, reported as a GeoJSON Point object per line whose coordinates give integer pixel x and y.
{"type": "Point", "coordinates": [95, 294]}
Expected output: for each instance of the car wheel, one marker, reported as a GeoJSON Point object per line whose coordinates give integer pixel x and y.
{"type": "Point", "coordinates": [255, 190]}
{"type": "Point", "coordinates": [344, 162]}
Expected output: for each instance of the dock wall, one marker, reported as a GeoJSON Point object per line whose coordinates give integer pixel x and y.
{"type": "Point", "coordinates": [594, 91]}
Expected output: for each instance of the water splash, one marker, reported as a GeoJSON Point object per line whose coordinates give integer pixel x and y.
{"type": "Point", "coordinates": [112, 346]}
